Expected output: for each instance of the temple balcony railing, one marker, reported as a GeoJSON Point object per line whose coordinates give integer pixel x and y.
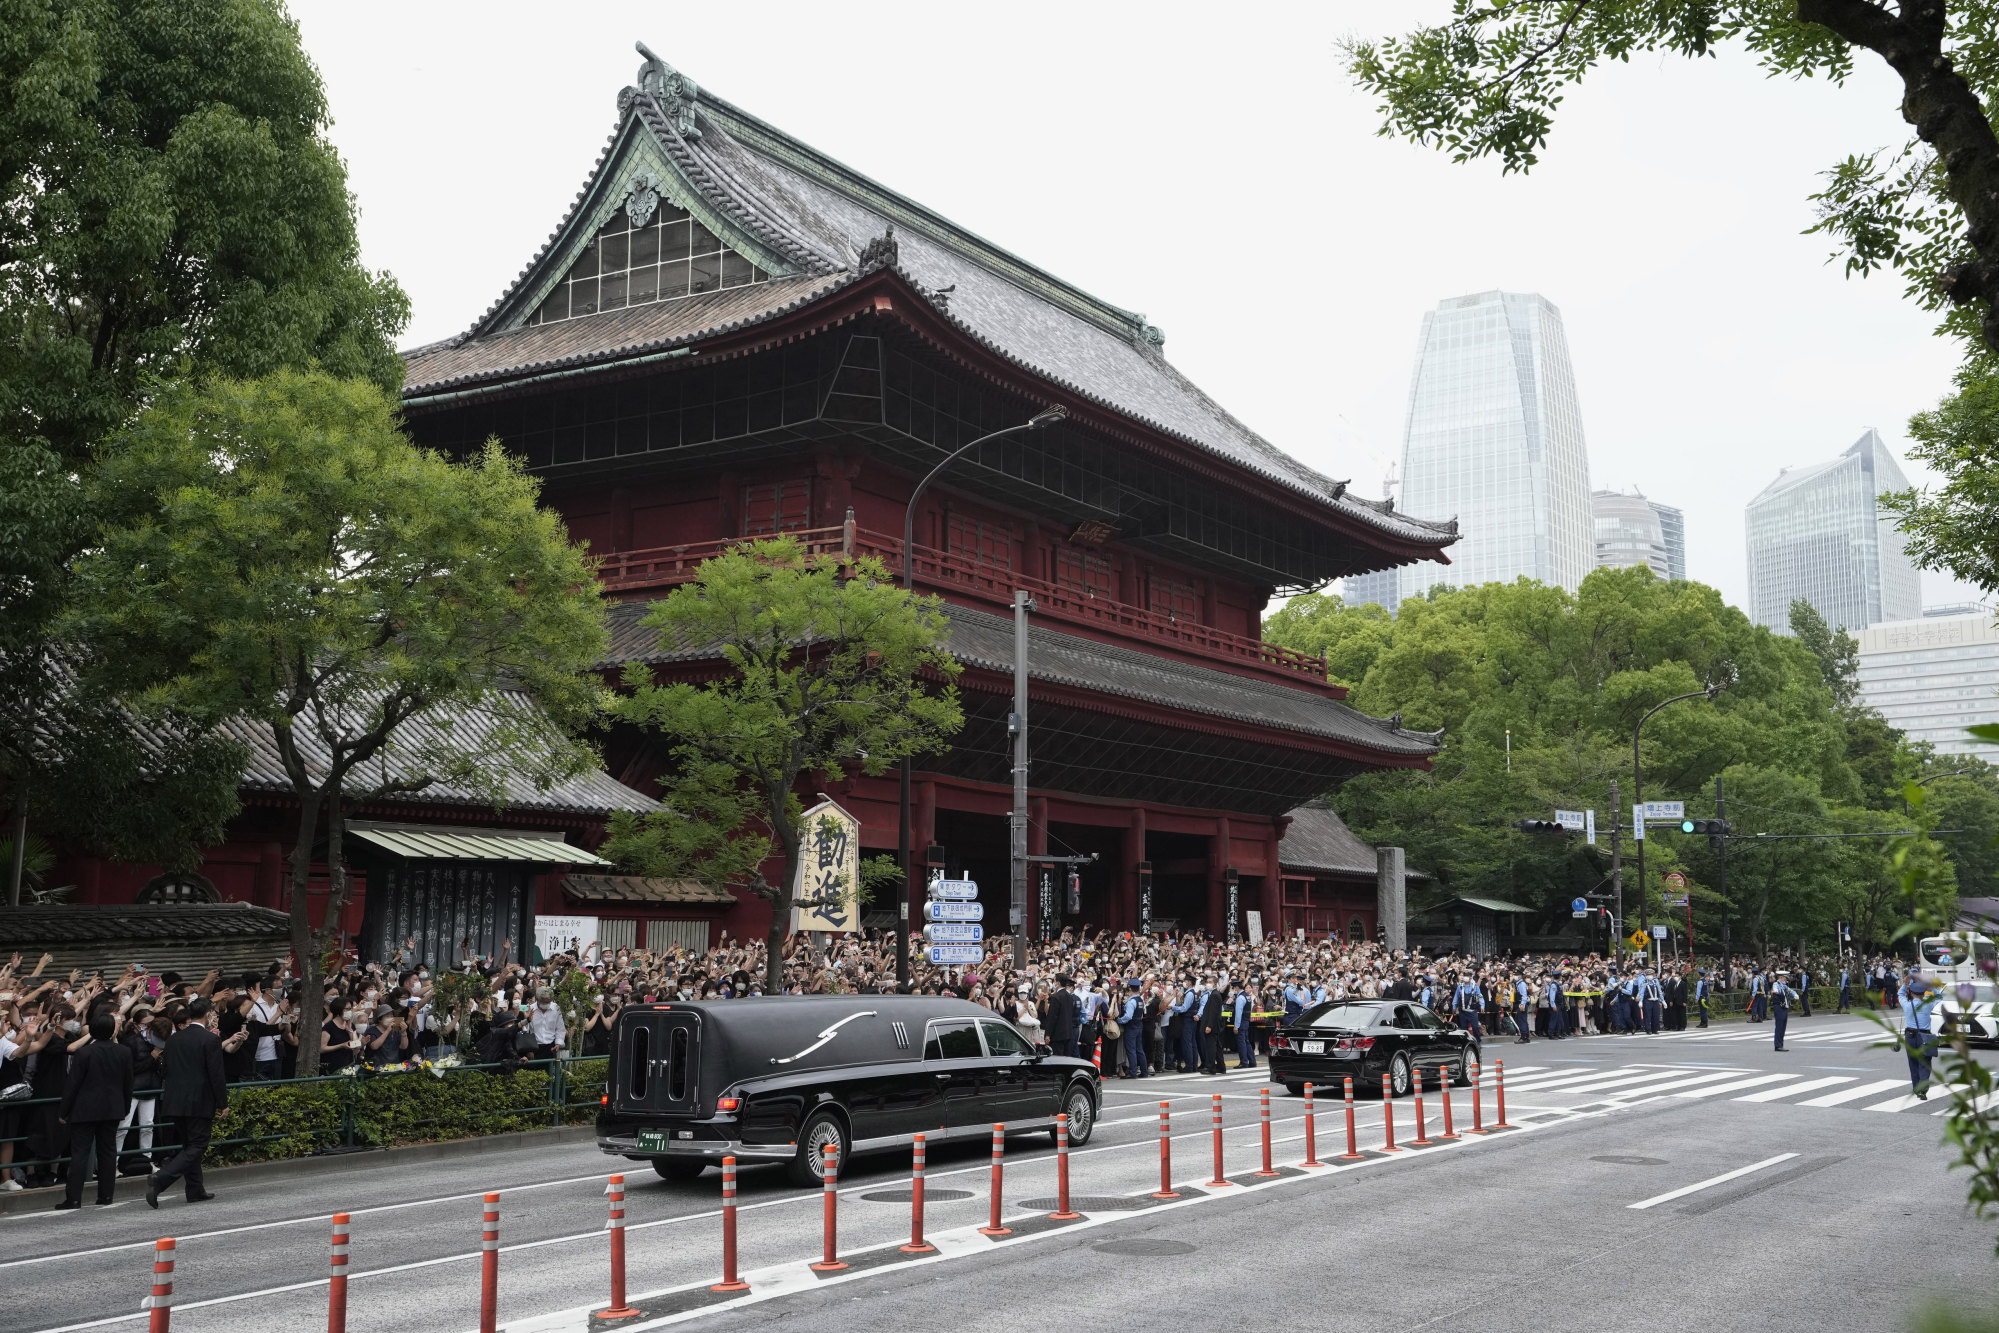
{"type": "Point", "coordinates": [623, 573]}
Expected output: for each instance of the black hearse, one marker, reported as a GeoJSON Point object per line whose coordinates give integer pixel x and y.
{"type": "Point", "coordinates": [778, 1078]}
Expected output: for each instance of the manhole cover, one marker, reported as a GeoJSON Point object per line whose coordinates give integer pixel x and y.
{"type": "Point", "coordinates": [1154, 1249]}
{"type": "Point", "coordinates": [1087, 1203]}
{"type": "Point", "coordinates": [1616, 1159]}
{"type": "Point", "coordinates": [904, 1196]}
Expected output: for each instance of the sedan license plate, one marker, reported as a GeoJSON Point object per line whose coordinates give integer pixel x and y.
{"type": "Point", "coordinates": [652, 1140]}
{"type": "Point", "coordinates": [1312, 1047]}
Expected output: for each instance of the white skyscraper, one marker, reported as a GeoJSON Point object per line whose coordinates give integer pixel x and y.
{"type": "Point", "coordinates": [1495, 439]}
{"type": "Point", "coordinates": [1934, 677]}
{"type": "Point", "coordinates": [1817, 533]}
{"type": "Point", "coordinates": [1632, 530]}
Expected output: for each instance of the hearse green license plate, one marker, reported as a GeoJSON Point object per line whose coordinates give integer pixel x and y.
{"type": "Point", "coordinates": [652, 1140]}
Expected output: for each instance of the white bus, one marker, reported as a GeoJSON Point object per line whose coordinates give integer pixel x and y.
{"type": "Point", "coordinates": [1958, 955]}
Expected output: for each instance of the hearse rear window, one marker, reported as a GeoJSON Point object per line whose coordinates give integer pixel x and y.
{"type": "Point", "coordinates": [956, 1040]}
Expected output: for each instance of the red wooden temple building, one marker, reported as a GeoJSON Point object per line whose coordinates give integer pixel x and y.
{"type": "Point", "coordinates": [731, 335]}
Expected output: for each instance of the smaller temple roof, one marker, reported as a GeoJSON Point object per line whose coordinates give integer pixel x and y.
{"type": "Point", "coordinates": [644, 889]}
{"type": "Point", "coordinates": [1318, 840]}
{"type": "Point", "coordinates": [436, 842]}
{"type": "Point", "coordinates": [595, 793]}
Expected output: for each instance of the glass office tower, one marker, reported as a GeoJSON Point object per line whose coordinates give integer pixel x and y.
{"type": "Point", "coordinates": [1632, 530]}
{"type": "Point", "coordinates": [1495, 438]}
{"type": "Point", "coordinates": [1817, 533]}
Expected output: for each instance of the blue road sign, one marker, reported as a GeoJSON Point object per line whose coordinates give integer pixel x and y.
{"type": "Point", "coordinates": [1579, 905]}
{"type": "Point", "coordinates": [954, 932]}
{"type": "Point", "coordinates": [943, 911]}
{"type": "Point", "coordinates": [958, 890]}
{"type": "Point", "coordinates": [957, 953]}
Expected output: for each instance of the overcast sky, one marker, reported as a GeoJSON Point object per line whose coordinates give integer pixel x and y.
{"type": "Point", "coordinates": [1213, 169]}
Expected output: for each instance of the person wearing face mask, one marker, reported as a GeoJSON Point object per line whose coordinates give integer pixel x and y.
{"type": "Point", "coordinates": [336, 1038]}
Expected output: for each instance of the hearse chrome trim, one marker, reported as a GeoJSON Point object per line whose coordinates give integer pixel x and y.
{"type": "Point", "coordinates": [824, 1037]}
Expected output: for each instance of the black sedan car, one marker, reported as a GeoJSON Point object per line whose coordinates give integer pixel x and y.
{"type": "Point", "coordinates": [1364, 1039]}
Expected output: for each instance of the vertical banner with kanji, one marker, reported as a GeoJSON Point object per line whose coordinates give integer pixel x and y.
{"type": "Point", "coordinates": [825, 896]}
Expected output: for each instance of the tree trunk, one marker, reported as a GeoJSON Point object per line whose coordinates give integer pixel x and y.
{"type": "Point", "coordinates": [311, 1003]}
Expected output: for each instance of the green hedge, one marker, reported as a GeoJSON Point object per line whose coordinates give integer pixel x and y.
{"type": "Point", "coordinates": [370, 1110]}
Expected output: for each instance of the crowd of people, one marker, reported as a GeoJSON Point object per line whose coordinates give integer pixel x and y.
{"type": "Point", "coordinates": [1140, 1004]}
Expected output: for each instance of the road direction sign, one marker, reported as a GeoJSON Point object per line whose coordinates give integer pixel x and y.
{"type": "Point", "coordinates": [1658, 932]}
{"type": "Point", "coordinates": [957, 890]}
{"type": "Point", "coordinates": [947, 911]}
{"type": "Point", "coordinates": [957, 953]}
{"type": "Point", "coordinates": [1571, 820]}
{"type": "Point", "coordinates": [954, 932]}
{"type": "Point", "coordinates": [1673, 810]}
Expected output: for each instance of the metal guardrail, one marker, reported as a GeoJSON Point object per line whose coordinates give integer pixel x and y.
{"type": "Point", "coordinates": [564, 1098]}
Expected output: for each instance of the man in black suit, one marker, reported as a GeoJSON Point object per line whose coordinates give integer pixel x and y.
{"type": "Point", "coordinates": [96, 1090]}
{"type": "Point", "coordinates": [1213, 997]}
{"type": "Point", "coordinates": [193, 1096]}
{"type": "Point", "coordinates": [1065, 1017]}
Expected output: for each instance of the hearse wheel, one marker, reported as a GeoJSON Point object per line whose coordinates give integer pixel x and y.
{"type": "Point", "coordinates": [822, 1130]}
{"type": "Point", "coordinates": [1401, 1074]}
{"type": "Point", "coordinates": [678, 1170]}
{"type": "Point", "coordinates": [1082, 1113]}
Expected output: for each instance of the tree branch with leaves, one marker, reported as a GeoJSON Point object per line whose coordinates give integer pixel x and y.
{"type": "Point", "coordinates": [792, 666]}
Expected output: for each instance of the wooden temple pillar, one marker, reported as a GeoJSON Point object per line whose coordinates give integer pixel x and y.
{"type": "Point", "coordinates": [1218, 894]}
{"type": "Point", "coordinates": [1125, 910]}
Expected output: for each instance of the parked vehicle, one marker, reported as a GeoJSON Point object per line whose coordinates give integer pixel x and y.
{"type": "Point", "coordinates": [1364, 1039]}
{"type": "Point", "coordinates": [1977, 1017]}
{"type": "Point", "coordinates": [780, 1078]}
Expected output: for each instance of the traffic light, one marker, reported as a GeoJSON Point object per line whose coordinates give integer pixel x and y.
{"type": "Point", "coordinates": [1686, 826]}
{"type": "Point", "coordinates": [1714, 828]}
{"type": "Point", "coordinates": [1541, 827]}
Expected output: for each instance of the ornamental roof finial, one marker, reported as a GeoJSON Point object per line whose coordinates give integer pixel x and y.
{"type": "Point", "coordinates": [675, 92]}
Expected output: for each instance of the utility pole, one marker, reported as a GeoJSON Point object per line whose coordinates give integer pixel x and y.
{"type": "Point", "coordinates": [1616, 873]}
{"type": "Point", "coordinates": [1017, 725]}
{"type": "Point", "coordinates": [1721, 886]}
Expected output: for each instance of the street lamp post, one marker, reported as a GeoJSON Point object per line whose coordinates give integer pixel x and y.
{"type": "Point", "coordinates": [1638, 797]}
{"type": "Point", "coordinates": [1040, 419]}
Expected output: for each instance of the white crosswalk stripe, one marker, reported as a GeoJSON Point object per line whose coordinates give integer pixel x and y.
{"type": "Point", "coordinates": [1656, 1088]}
{"type": "Point", "coordinates": [1737, 1086]}
{"type": "Point", "coordinates": [1792, 1090]}
{"type": "Point", "coordinates": [1910, 1101]}
{"type": "Point", "coordinates": [1845, 1095]}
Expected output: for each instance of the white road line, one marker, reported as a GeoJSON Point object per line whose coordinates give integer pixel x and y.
{"type": "Point", "coordinates": [1621, 1080]}
{"type": "Point", "coordinates": [316, 1218]}
{"type": "Point", "coordinates": [1793, 1090]}
{"type": "Point", "coordinates": [1737, 1086]}
{"type": "Point", "coordinates": [1653, 1088]}
{"type": "Point", "coordinates": [1905, 1103]}
{"type": "Point", "coordinates": [1722, 1179]}
{"type": "Point", "coordinates": [1854, 1094]}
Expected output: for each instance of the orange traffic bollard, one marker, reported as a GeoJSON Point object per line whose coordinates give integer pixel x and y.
{"type": "Point", "coordinates": [336, 1284]}
{"type": "Point", "coordinates": [1499, 1093]}
{"type": "Point", "coordinates": [614, 1189]}
{"type": "Point", "coordinates": [992, 1226]}
{"type": "Point", "coordinates": [1388, 1114]}
{"type": "Point", "coordinates": [1353, 1152]}
{"type": "Point", "coordinates": [830, 1263]}
{"type": "Point", "coordinates": [1165, 1190]}
{"type": "Point", "coordinates": [489, 1267]}
{"type": "Point", "coordinates": [1220, 1181]}
{"type": "Point", "coordinates": [1311, 1133]}
{"type": "Point", "coordinates": [1444, 1090]}
{"type": "Point", "coordinates": [1268, 1169]}
{"type": "Point", "coordinates": [1062, 1213]}
{"type": "Point", "coordinates": [729, 1282]}
{"type": "Point", "coordinates": [161, 1302]}
{"type": "Point", "coordinates": [917, 1245]}
{"type": "Point", "coordinates": [1477, 1112]}
{"type": "Point", "coordinates": [1422, 1139]}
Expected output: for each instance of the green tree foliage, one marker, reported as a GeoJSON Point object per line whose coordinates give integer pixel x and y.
{"type": "Point", "coordinates": [1837, 653]}
{"type": "Point", "coordinates": [1568, 676]}
{"type": "Point", "coordinates": [277, 555]}
{"type": "Point", "coordinates": [830, 669]}
{"type": "Point", "coordinates": [1955, 527]}
{"type": "Point", "coordinates": [169, 206]}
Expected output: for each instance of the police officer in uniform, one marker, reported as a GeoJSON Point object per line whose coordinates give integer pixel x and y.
{"type": "Point", "coordinates": [1702, 989]}
{"type": "Point", "coordinates": [1781, 996]}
